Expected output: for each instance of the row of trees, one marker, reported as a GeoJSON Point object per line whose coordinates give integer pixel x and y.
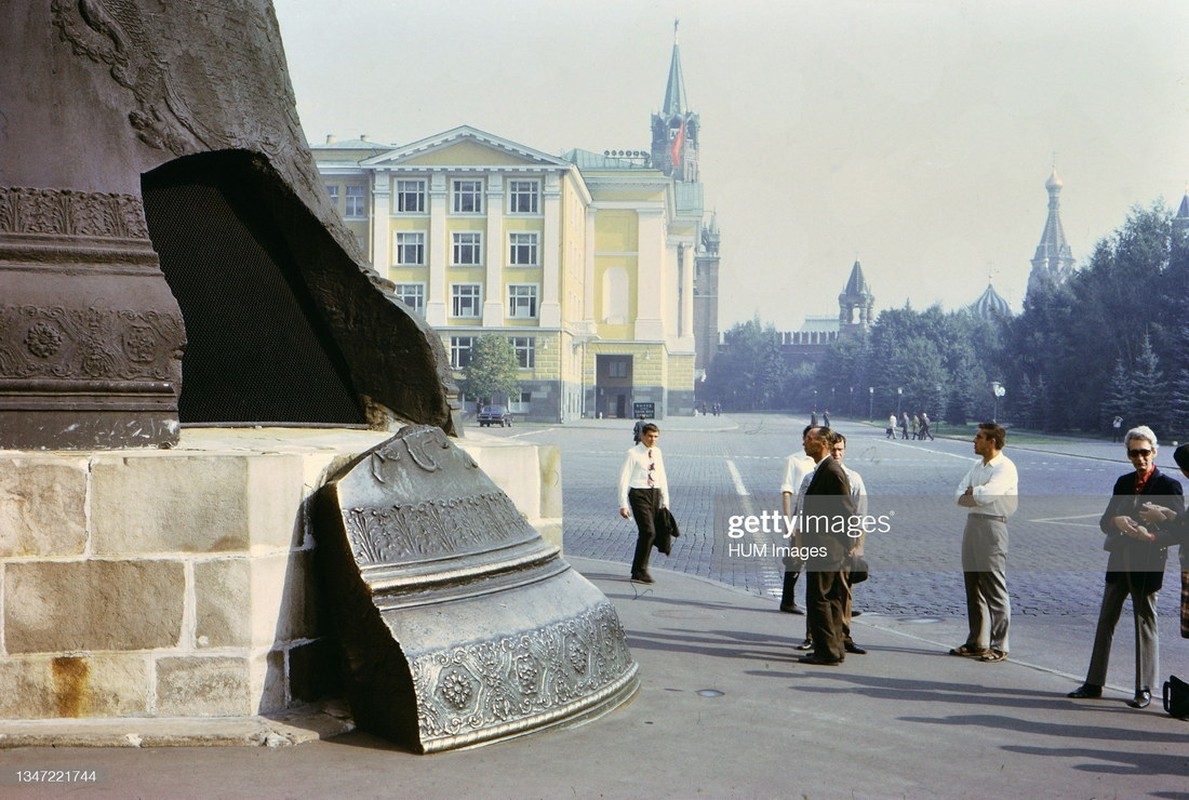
{"type": "Point", "coordinates": [1112, 340]}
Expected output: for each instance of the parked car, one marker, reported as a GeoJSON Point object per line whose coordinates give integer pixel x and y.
{"type": "Point", "coordinates": [495, 415]}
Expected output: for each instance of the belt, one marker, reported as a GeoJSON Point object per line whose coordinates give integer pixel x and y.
{"type": "Point", "coordinates": [994, 517]}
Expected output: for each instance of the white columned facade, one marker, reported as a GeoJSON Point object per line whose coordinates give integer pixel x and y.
{"type": "Point", "coordinates": [650, 268]}
{"type": "Point", "coordinates": [551, 243]}
{"type": "Point", "coordinates": [493, 253]}
{"type": "Point", "coordinates": [381, 227]}
{"type": "Point", "coordinates": [438, 290]}
{"type": "Point", "coordinates": [588, 283]}
{"type": "Point", "coordinates": [686, 276]}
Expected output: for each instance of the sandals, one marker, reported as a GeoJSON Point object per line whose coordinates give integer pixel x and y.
{"type": "Point", "coordinates": [967, 651]}
{"type": "Point", "coordinates": [993, 656]}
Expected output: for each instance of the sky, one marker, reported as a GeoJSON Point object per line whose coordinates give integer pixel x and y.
{"type": "Point", "coordinates": [915, 136]}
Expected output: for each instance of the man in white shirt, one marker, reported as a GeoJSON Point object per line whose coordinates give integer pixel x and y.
{"type": "Point", "coordinates": [989, 491]}
{"type": "Point", "coordinates": [796, 468]}
{"type": "Point", "coordinates": [643, 490]}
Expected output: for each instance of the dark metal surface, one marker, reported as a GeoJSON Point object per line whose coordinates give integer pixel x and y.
{"type": "Point", "coordinates": [284, 319]}
{"type": "Point", "coordinates": [459, 623]}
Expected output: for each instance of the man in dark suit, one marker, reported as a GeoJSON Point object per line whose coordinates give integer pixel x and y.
{"type": "Point", "coordinates": [825, 520]}
{"type": "Point", "coordinates": [1132, 523]}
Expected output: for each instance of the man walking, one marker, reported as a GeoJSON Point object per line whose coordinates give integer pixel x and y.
{"type": "Point", "coordinates": [828, 507]}
{"type": "Point", "coordinates": [989, 492]}
{"type": "Point", "coordinates": [643, 490]}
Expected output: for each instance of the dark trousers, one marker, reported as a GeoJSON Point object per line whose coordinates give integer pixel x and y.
{"type": "Point", "coordinates": [826, 597]}
{"type": "Point", "coordinates": [789, 587]}
{"type": "Point", "coordinates": [645, 503]}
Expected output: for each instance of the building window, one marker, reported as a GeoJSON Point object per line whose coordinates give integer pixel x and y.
{"type": "Point", "coordinates": [460, 351]}
{"type": "Point", "coordinates": [522, 249]}
{"type": "Point", "coordinates": [526, 351]}
{"type": "Point", "coordinates": [468, 249]}
{"type": "Point", "coordinates": [355, 202]}
{"type": "Point", "coordinates": [466, 299]}
{"type": "Point", "coordinates": [617, 368]}
{"type": "Point", "coordinates": [333, 191]}
{"type": "Point", "coordinates": [410, 196]}
{"type": "Point", "coordinates": [468, 197]}
{"type": "Point", "coordinates": [522, 300]}
{"type": "Point", "coordinates": [412, 295]}
{"type": "Point", "coordinates": [523, 197]}
{"type": "Point", "coordinates": [520, 405]}
{"type": "Point", "coordinates": [410, 248]}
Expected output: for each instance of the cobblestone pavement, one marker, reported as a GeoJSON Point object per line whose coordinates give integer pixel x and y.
{"type": "Point", "coordinates": [732, 465]}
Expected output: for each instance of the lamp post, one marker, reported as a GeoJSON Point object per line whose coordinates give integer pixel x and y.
{"type": "Point", "coordinates": [870, 403]}
{"type": "Point", "coordinates": [998, 390]}
{"type": "Point", "coordinates": [899, 395]}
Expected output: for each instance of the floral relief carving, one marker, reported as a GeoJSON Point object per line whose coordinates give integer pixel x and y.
{"type": "Point", "coordinates": [62, 342]}
{"type": "Point", "coordinates": [43, 339]}
{"type": "Point", "coordinates": [65, 212]}
{"type": "Point", "coordinates": [519, 676]}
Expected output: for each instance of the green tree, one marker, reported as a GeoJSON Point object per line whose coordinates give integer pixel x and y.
{"type": "Point", "coordinates": [1073, 334]}
{"type": "Point", "coordinates": [493, 370]}
{"type": "Point", "coordinates": [1150, 392]}
{"type": "Point", "coordinates": [751, 373]}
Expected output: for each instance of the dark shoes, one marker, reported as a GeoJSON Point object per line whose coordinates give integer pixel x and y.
{"type": "Point", "coordinates": [819, 662]}
{"type": "Point", "coordinates": [851, 647]}
{"type": "Point", "coordinates": [1087, 691]}
{"type": "Point", "coordinates": [642, 577]}
{"type": "Point", "coordinates": [792, 609]}
{"type": "Point", "coordinates": [806, 645]}
{"type": "Point", "coordinates": [1141, 700]}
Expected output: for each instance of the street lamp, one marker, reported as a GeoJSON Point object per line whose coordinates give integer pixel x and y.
{"type": "Point", "coordinates": [899, 394]}
{"type": "Point", "coordinates": [999, 390]}
{"type": "Point", "coordinates": [870, 403]}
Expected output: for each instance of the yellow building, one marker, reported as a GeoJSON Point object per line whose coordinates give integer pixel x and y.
{"type": "Point", "coordinates": [584, 261]}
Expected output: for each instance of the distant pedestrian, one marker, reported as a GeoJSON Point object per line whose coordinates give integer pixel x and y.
{"type": "Point", "coordinates": [916, 427]}
{"type": "Point", "coordinates": [643, 491]}
{"type": "Point", "coordinates": [813, 419]}
{"type": "Point", "coordinates": [904, 426]}
{"type": "Point", "coordinates": [989, 491]}
{"type": "Point", "coordinates": [826, 418]}
{"type": "Point", "coordinates": [1133, 522]}
{"type": "Point", "coordinates": [891, 431]}
{"type": "Point", "coordinates": [637, 429]}
{"type": "Point", "coordinates": [926, 427]}
{"type": "Point", "coordinates": [1117, 429]}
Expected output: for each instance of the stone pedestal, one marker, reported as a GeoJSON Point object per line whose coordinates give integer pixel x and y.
{"type": "Point", "coordinates": [179, 583]}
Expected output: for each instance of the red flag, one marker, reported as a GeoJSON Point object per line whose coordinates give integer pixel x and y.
{"type": "Point", "coordinates": [678, 142]}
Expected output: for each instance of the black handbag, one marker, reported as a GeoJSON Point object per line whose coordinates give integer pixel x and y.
{"type": "Point", "coordinates": [859, 571]}
{"type": "Point", "coordinates": [1176, 697]}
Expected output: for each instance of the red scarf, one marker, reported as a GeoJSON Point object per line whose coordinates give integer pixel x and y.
{"type": "Point", "coordinates": [1142, 480]}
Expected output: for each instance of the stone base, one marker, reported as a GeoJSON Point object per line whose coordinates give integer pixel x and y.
{"type": "Point", "coordinates": [177, 584]}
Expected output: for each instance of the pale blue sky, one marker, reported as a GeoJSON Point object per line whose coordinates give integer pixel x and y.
{"type": "Point", "coordinates": [916, 135]}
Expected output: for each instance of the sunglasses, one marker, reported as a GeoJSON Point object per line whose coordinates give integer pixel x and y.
{"type": "Point", "coordinates": [1138, 453]}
